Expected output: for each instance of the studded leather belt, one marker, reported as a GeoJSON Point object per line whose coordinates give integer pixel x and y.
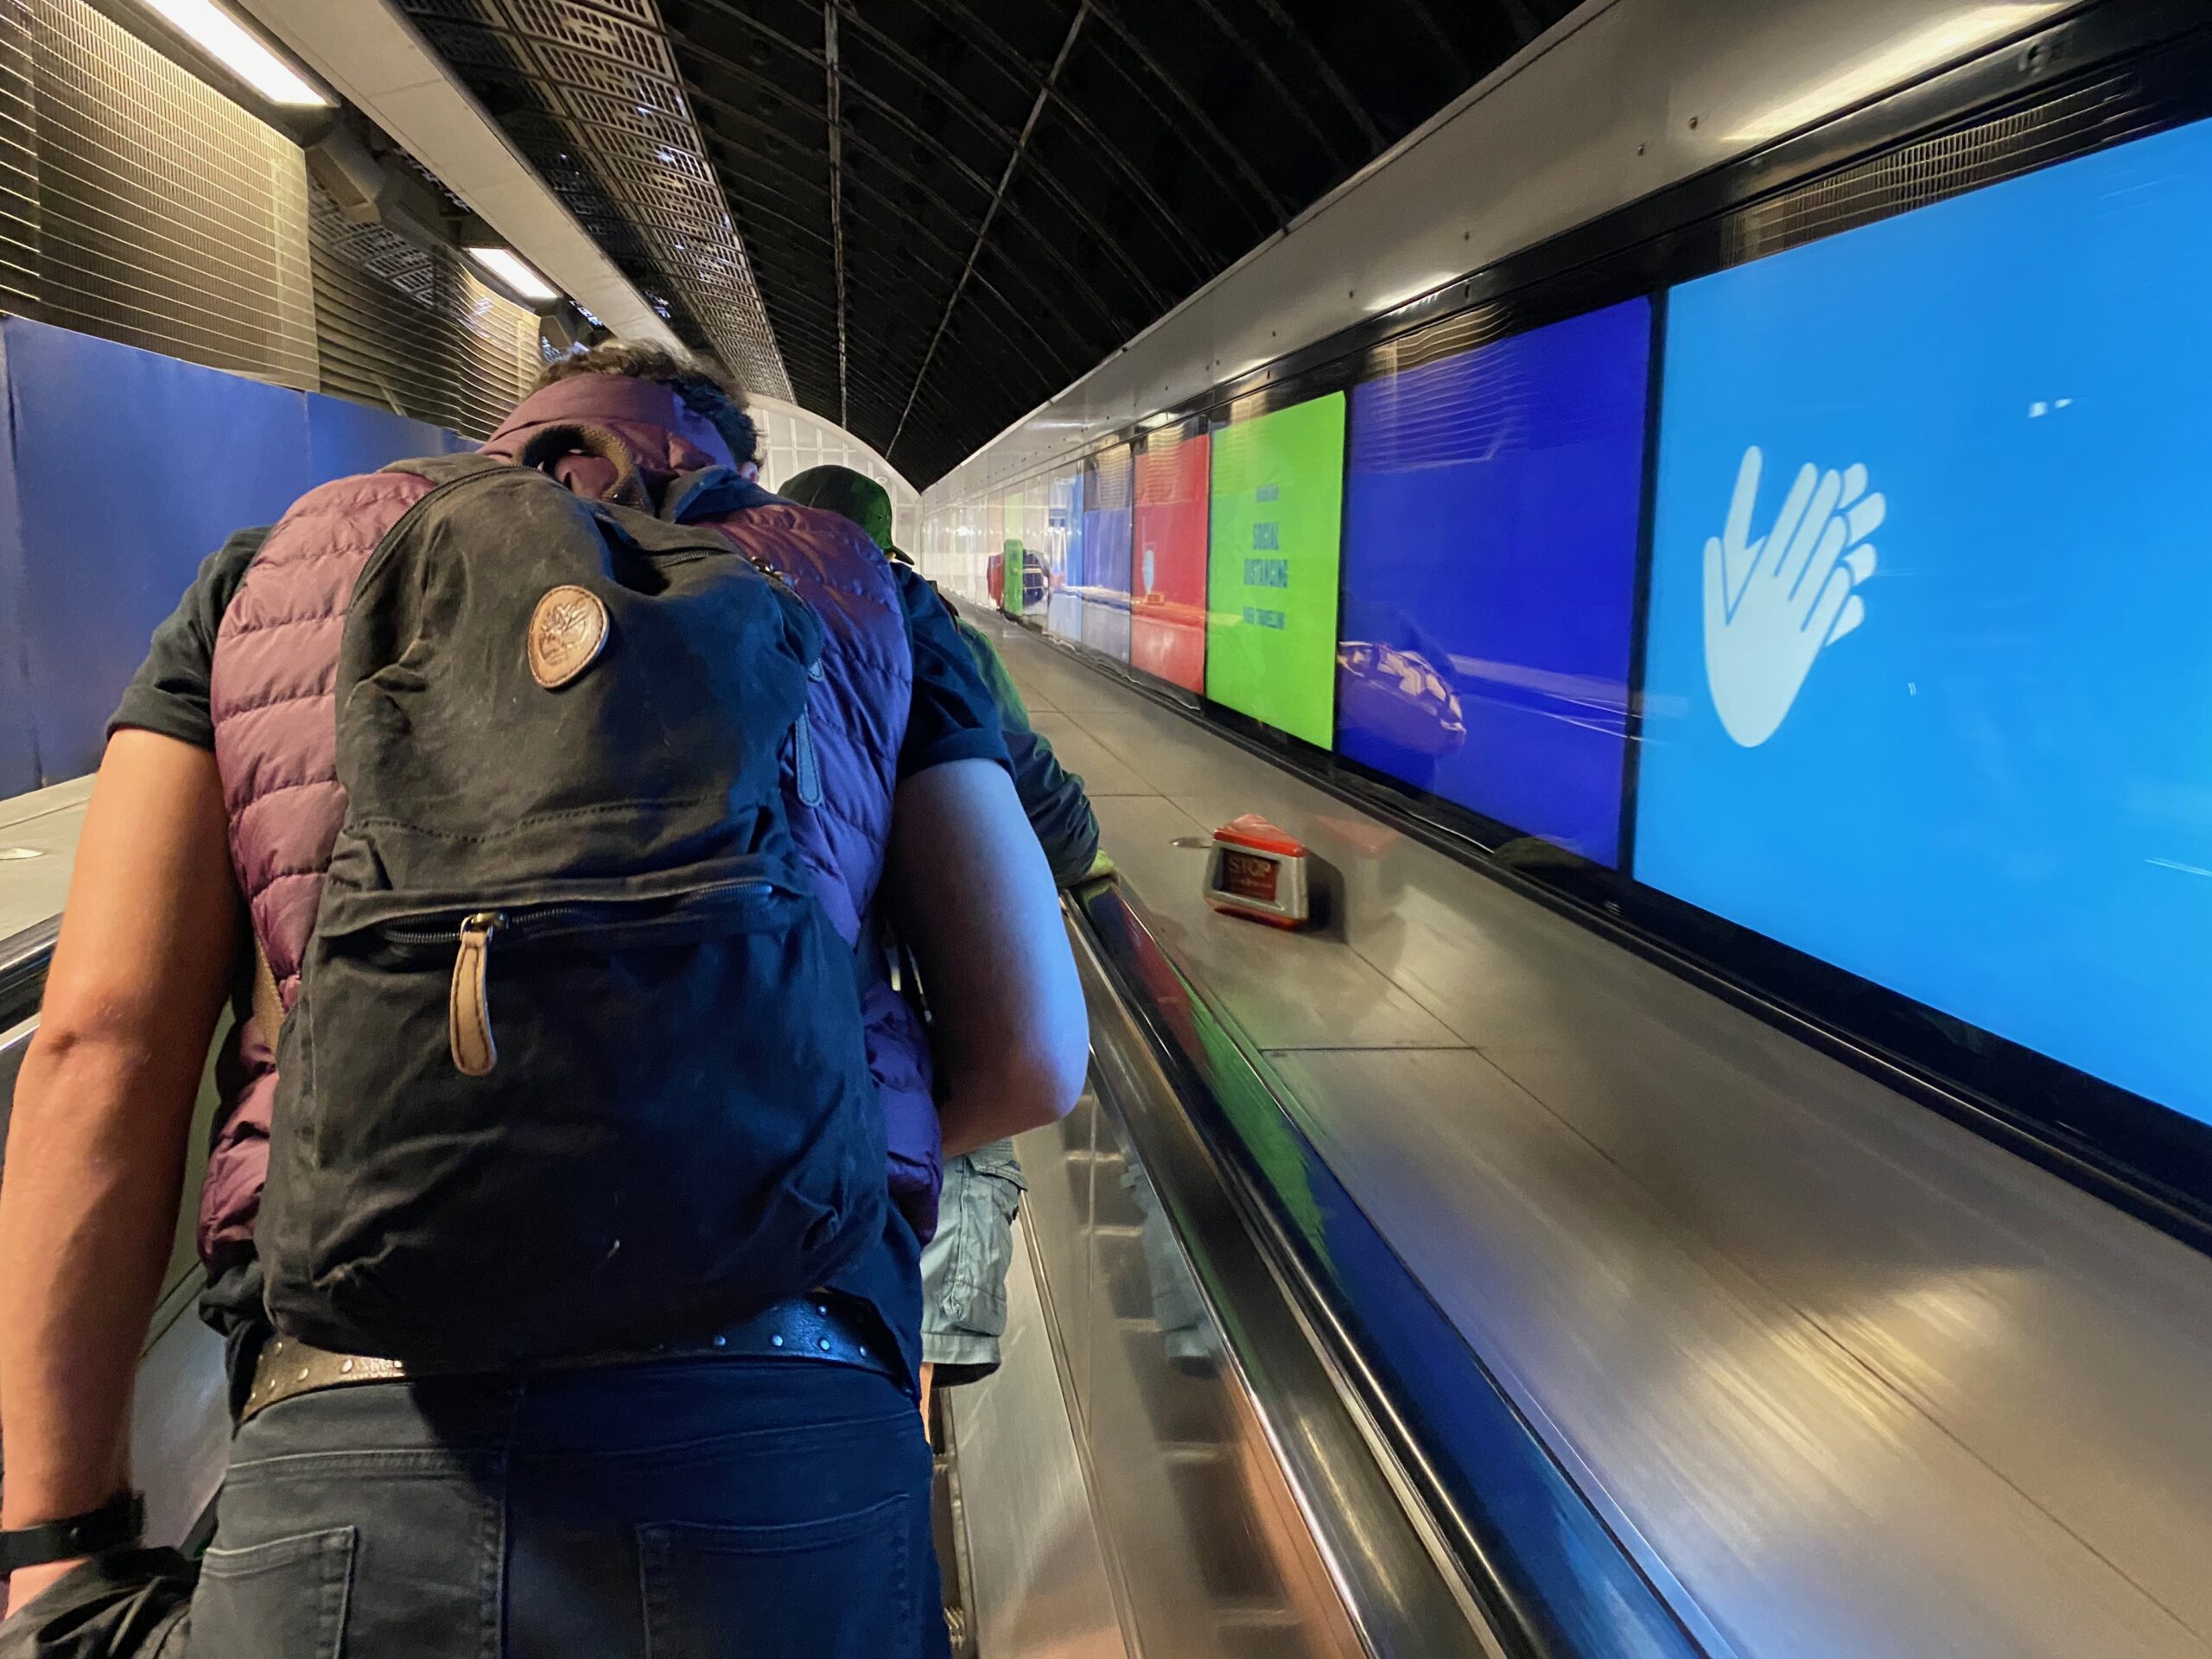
{"type": "Point", "coordinates": [805, 1328]}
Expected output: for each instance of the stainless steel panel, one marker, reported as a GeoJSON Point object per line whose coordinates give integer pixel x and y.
{"type": "Point", "coordinates": [1039, 1571]}
{"type": "Point", "coordinates": [1219, 1553]}
{"type": "Point", "coordinates": [1865, 1382]}
{"type": "Point", "coordinates": [2055, 1339]}
{"type": "Point", "coordinates": [1103, 771]}
{"type": "Point", "coordinates": [1288, 990]}
{"type": "Point", "coordinates": [1748, 73]}
{"type": "Point", "coordinates": [1058, 1163]}
{"type": "Point", "coordinates": [1807, 1508]}
{"type": "Point", "coordinates": [38, 849]}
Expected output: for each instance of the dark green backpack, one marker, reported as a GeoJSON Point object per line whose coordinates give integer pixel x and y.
{"type": "Point", "coordinates": [578, 1067]}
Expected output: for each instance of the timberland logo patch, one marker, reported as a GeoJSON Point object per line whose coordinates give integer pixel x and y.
{"type": "Point", "coordinates": [567, 632]}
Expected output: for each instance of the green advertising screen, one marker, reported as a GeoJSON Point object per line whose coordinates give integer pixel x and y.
{"type": "Point", "coordinates": [1271, 567]}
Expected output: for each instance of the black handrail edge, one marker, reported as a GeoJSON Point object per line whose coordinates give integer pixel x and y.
{"type": "Point", "coordinates": [1555, 1575]}
{"type": "Point", "coordinates": [24, 956]}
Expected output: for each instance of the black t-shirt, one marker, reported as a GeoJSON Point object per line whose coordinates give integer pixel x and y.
{"type": "Point", "coordinates": [951, 718]}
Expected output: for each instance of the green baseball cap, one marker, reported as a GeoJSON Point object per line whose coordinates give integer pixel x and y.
{"type": "Point", "coordinates": [847, 493]}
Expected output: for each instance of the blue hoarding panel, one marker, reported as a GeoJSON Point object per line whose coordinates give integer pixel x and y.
{"type": "Point", "coordinates": [1491, 518]}
{"type": "Point", "coordinates": [345, 438]}
{"type": "Point", "coordinates": [131, 467]}
{"type": "Point", "coordinates": [1976, 767]}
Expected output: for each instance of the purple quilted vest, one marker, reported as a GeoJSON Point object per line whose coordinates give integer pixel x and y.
{"type": "Point", "coordinates": [276, 741]}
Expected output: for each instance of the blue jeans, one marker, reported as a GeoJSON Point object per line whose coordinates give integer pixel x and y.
{"type": "Point", "coordinates": [769, 1507]}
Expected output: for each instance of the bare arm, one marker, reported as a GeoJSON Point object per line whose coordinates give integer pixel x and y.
{"type": "Point", "coordinates": [976, 905]}
{"type": "Point", "coordinates": [103, 1111]}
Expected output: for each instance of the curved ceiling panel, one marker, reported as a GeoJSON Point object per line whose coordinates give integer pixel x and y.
{"type": "Point", "coordinates": [939, 213]}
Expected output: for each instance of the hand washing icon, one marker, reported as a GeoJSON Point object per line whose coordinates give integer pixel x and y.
{"type": "Point", "coordinates": [1772, 605]}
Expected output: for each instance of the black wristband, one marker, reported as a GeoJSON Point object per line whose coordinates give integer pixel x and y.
{"type": "Point", "coordinates": [117, 1525]}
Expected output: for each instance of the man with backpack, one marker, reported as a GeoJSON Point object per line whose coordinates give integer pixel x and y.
{"type": "Point", "coordinates": [565, 1209]}
{"type": "Point", "coordinates": [964, 1268]}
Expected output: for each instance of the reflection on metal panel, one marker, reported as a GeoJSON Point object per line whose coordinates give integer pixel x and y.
{"type": "Point", "coordinates": [1039, 1572]}
{"type": "Point", "coordinates": [1213, 1554]}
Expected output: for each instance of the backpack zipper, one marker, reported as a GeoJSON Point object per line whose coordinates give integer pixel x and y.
{"type": "Point", "coordinates": [468, 1006]}
{"type": "Point", "coordinates": [468, 1002]}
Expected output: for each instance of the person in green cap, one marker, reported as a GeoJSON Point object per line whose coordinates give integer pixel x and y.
{"type": "Point", "coordinates": [965, 1268]}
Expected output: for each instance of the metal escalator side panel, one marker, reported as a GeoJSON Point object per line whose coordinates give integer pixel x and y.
{"type": "Point", "coordinates": [1503, 1524]}
{"type": "Point", "coordinates": [1360, 1546]}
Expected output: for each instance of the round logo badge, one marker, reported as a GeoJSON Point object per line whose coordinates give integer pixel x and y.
{"type": "Point", "coordinates": [567, 632]}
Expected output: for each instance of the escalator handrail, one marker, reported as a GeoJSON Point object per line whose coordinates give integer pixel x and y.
{"type": "Point", "coordinates": [1552, 1577]}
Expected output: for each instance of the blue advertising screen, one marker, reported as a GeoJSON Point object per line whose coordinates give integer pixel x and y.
{"type": "Point", "coordinates": [1108, 498]}
{"type": "Point", "coordinates": [1064, 557]}
{"type": "Point", "coordinates": [1928, 687]}
{"type": "Point", "coordinates": [1490, 518]}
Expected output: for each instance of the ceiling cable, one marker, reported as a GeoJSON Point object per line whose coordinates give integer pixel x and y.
{"type": "Point", "coordinates": [983, 229]}
{"type": "Point", "coordinates": [836, 195]}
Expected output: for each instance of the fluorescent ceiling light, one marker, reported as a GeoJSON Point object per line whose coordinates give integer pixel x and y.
{"type": "Point", "coordinates": [518, 277]}
{"type": "Point", "coordinates": [221, 35]}
{"type": "Point", "coordinates": [1926, 48]}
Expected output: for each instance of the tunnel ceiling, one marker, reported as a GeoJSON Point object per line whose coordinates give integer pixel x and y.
{"type": "Point", "coordinates": [922, 218]}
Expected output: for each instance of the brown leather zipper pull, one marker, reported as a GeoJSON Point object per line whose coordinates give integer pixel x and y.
{"type": "Point", "coordinates": [468, 1009]}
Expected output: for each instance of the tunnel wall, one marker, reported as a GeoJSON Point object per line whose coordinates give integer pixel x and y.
{"type": "Point", "coordinates": [120, 471]}
{"type": "Point", "coordinates": [1511, 591]}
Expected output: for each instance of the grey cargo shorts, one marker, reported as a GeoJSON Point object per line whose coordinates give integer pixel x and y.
{"type": "Point", "coordinates": [963, 1269]}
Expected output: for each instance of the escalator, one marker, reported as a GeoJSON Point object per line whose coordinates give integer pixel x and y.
{"type": "Point", "coordinates": [1229, 1423]}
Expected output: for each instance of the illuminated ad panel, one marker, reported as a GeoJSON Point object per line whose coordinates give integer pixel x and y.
{"type": "Point", "coordinates": [1108, 495]}
{"type": "Point", "coordinates": [995, 533]}
{"type": "Point", "coordinates": [1927, 691]}
{"type": "Point", "coordinates": [1014, 553]}
{"type": "Point", "coordinates": [1064, 557]}
{"type": "Point", "coordinates": [1167, 583]}
{"type": "Point", "coordinates": [1277, 516]}
{"type": "Point", "coordinates": [1490, 519]}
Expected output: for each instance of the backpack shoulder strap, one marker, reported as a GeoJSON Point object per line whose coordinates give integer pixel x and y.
{"type": "Point", "coordinates": [546, 448]}
{"type": "Point", "coordinates": [446, 469]}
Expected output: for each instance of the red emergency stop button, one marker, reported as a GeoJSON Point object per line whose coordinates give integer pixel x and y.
{"type": "Point", "coordinates": [1258, 870]}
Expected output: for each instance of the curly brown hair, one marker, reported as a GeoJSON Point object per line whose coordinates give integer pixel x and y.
{"type": "Point", "coordinates": [706, 390]}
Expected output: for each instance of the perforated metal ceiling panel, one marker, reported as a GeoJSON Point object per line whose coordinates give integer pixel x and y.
{"type": "Point", "coordinates": [950, 209]}
{"type": "Point", "coordinates": [591, 93]}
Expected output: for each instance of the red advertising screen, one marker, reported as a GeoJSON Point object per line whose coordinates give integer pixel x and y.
{"type": "Point", "coordinates": [1167, 571]}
